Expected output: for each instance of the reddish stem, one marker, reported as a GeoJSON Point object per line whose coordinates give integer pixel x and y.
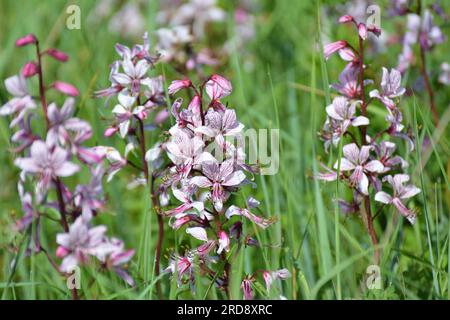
{"type": "Point", "coordinates": [41, 84]}
{"type": "Point", "coordinates": [57, 181]}
{"type": "Point", "coordinates": [223, 256]}
{"type": "Point", "coordinates": [371, 230]}
{"type": "Point", "coordinates": [426, 78]}
{"type": "Point", "coordinates": [368, 210]}
{"type": "Point", "coordinates": [62, 206]}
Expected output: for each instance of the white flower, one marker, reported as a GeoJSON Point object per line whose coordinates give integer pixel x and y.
{"type": "Point", "coordinates": [21, 101]}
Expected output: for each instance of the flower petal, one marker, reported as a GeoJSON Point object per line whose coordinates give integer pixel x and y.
{"type": "Point", "coordinates": [351, 152]}
{"type": "Point", "coordinates": [66, 169]}
{"type": "Point", "coordinates": [360, 121]}
{"type": "Point", "coordinates": [198, 233]}
{"type": "Point", "coordinates": [345, 165]}
{"type": "Point", "coordinates": [374, 166]}
{"type": "Point", "coordinates": [200, 181]}
{"type": "Point", "coordinates": [383, 197]}
{"type": "Point", "coordinates": [409, 191]}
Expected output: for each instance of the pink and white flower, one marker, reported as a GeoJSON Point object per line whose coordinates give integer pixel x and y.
{"type": "Point", "coordinates": [185, 196]}
{"type": "Point", "coordinates": [218, 87]}
{"type": "Point", "coordinates": [343, 111]}
{"type": "Point", "coordinates": [219, 125]}
{"type": "Point", "coordinates": [118, 257]}
{"type": "Point", "coordinates": [47, 162]}
{"type": "Point", "coordinates": [219, 178]}
{"type": "Point", "coordinates": [81, 242]}
{"type": "Point", "coordinates": [270, 277]}
{"type": "Point", "coordinates": [390, 88]}
{"type": "Point", "coordinates": [124, 111]}
{"type": "Point", "coordinates": [333, 47]}
{"type": "Point", "coordinates": [348, 82]}
{"type": "Point", "coordinates": [400, 192]}
{"type": "Point", "coordinates": [21, 102]}
{"type": "Point", "coordinates": [133, 74]}
{"type": "Point", "coordinates": [224, 242]}
{"type": "Point", "coordinates": [178, 85]}
{"type": "Point", "coordinates": [357, 160]}
{"type": "Point", "coordinates": [444, 76]}
{"type": "Point", "coordinates": [259, 221]}
{"type": "Point", "coordinates": [62, 122]}
{"type": "Point", "coordinates": [90, 197]}
{"type": "Point", "coordinates": [246, 287]}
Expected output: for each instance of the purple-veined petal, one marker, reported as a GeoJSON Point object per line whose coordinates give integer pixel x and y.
{"type": "Point", "coordinates": [409, 191]}
{"type": "Point", "coordinates": [27, 165]}
{"type": "Point", "coordinates": [374, 166]}
{"type": "Point", "coordinates": [200, 181]}
{"type": "Point", "coordinates": [404, 211]}
{"type": "Point", "coordinates": [234, 179]}
{"type": "Point", "coordinates": [69, 263]}
{"type": "Point", "coordinates": [346, 165]}
{"type": "Point", "coordinates": [351, 152]}
{"type": "Point", "coordinates": [141, 68]}
{"type": "Point", "coordinates": [360, 121]}
{"type": "Point", "coordinates": [364, 154]}
{"type": "Point", "coordinates": [224, 242]}
{"type": "Point", "coordinates": [332, 112]}
{"type": "Point", "coordinates": [123, 257]}
{"type": "Point", "coordinates": [364, 184]}
{"type": "Point", "coordinates": [198, 233]}
{"type": "Point", "coordinates": [39, 152]}
{"type": "Point", "coordinates": [362, 31]}
{"type": "Point", "coordinates": [124, 275]}
{"type": "Point", "coordinates": [233, 211]}
{"type": "Point", "coordinates": [331, 48]}
{"type": "Point", "coordinates": [121, 79]}
{"type": "Point", "coordinates": [66, 169]}
{"type": "Point", "coordinates": [383, 197]}
{"type": "Point", "coordinates": [123, 128]}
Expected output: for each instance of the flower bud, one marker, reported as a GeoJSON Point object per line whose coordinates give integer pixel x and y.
{"type": "Point", "coordinates": [110, 131]}
{"type": "Point", "coordinates": [65, 88]}
{"type": "Point", "coordinates": [194, 105]}
{"type": "Point", "coordinates": [346, 18]}
{"type": "Point", "coordinates": [161, 116]}
{"type": "Point", "coordinates": [28, 39]}
{"type": "Point", "coordinates": [29, 69]}
{"type": "Point", "coordinates": [218, 87]}
{"type": "Point", "coordinates": [177, 85]}
{"type": "Point", "coordinates": [57, 54]}
{"type": "Point", "coordinates": [333, 47]}
{"type": "Point", "coordinates": [61, 252]}
{"type": "Point", "coordinates": [362, 31]}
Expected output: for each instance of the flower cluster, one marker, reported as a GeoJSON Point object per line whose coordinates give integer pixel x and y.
{"type": "Point", "coordinates": [139, 98]}
{"type": "Point", "coordinates": [207, 165]}
{"type": "Point", "coordinates": [193, 186]}
{"type": "Point", "coordinates": [126, 19]}
{"type": "Point", "coordinates": [370, 161]}
{"type": "Point", "coordinates": [420, 29]}
{"type": "Point", "coordinates": [47, 158]}
{"type": "Point", "coordinates": [183, 28]}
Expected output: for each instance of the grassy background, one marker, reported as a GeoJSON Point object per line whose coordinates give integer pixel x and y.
{"type": "Point", "coordinates": [286, 87]}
